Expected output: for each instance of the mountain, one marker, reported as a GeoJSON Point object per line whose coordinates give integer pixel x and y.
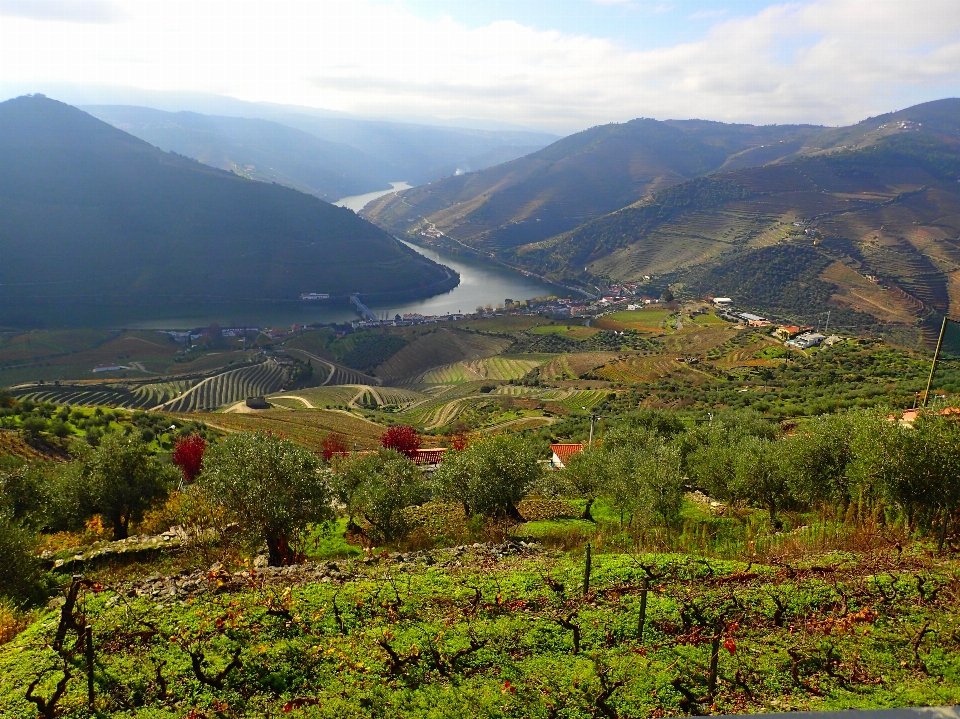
{"type": "Point", "coordinates": [576, 179]}
{"type": "Point", "coordinates": [258, 149]}
{"type": "Point", "coordinates": [98, 226]}
{"type": "Point", "coordinates": [422, 153]}
{"type": "Point", "coordinates": [861, 221]}
{"type": "Point", "coordinates": [331, 157]}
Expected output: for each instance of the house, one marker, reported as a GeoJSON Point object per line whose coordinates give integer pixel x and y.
{"type": "Point", "coordinates": [786, 332]}
{"type": "Point", "coordinates": [807, 340]}
{"type": "Point", "coordinates": [109, 368]}
{"type": "Point", "coordinates": [562, 454]}
{"type": "Point", "coordinates": [722, 301]}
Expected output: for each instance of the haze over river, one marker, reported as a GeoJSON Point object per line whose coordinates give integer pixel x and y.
{"type": "Point", "coordinates": [480, 284]}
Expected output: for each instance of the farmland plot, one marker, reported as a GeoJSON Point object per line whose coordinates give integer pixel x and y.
{"type": "Point", "coordinates": [496, 368]}
{"type": "Point", "coordinates": [85, 396]}
{"type": "Point", "coordinates": [307, 427]}
{"type": "Point", "coordinates": [229, 387]}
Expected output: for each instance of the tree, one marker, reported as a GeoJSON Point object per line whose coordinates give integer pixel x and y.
{"type": "Point", "coordinates": [403, 438]}
{"type": "Point", "coordinates": [274, 488]}
{"type": "Point", "coordinates": [587, 474]}
{"type": "Point", "coordinates": [121, 480]}
{"type": "Point", "coordinates": [379, 487]}
{"type": "Point", "coordinates": [333, 445]}
{"type": "Point", "coordinates": [761, 474]}
{"type": "Point", "coordinates": [188, 456]}
{"type": "Point", "coordinates": [490, 476]}
{"type": "Point", "coordinates": [33, 425]}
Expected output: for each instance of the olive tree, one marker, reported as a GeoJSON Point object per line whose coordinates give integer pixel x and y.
{"type": "Point", "coordinates": [378, 487]}
{"type": "Point", "coordinates": [121, 479]}
{"type": "Point", "coordinates": [490, 476]}
{"type": "Point", "coordinates": [274, 488]}
{"type": "Point", "coordinates": [761, 474]}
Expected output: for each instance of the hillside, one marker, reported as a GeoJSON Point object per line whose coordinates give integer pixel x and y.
{"type": "Point", "coordinates": [258, 149]}
{"type": "Point", "coordinates": [97, 227]}
{"type": "Point", "coordinates": [576, 179]}
{"type": "Point", "coordinates": [872, 230]}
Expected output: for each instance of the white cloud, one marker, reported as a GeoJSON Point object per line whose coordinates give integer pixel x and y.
{"type": "Point", "coordinates": [826, 61]}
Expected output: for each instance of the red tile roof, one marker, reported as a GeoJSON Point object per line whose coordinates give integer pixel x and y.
{"type": "Point", "coordinates": [433, 455]}
{"type": "Point", "coordinates": [565, 451]}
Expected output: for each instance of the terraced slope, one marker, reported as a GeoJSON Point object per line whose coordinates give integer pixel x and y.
{"type": "Point", "coordinates": [572, 181]}
{"type": "Point", "coordinates": [443, 347]}
{"type": "Point", "coordinates": [229, 387]}
{"type": "Point", "coordinates": [306, 427]}
{"type": "Point", "coordinates": [498, 368]}
{"type": "Point", "coordinates": [86, 396]}
{"type": "Point", "coordinates": [337, 374]}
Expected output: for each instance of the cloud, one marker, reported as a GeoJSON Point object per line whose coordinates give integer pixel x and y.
{"type": "Point", "coordinates": [93, 11]}
{"type": "Point", "coordinates": [822, 61]}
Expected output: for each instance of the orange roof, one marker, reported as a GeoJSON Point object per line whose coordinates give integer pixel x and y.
{"type": "Point", "coordinates": [565, 451]}
{"type": "Point", "coordinates": [432, 455]}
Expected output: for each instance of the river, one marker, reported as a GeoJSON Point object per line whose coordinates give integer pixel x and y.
{"type": "Point", "coordinates": [480, 284]}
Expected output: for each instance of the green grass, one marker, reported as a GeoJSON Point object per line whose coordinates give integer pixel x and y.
{"type": "Point", "coordinates": [293, 651]}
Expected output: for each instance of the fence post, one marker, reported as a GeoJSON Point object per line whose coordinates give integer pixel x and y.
{"type": "Point", "coordinates": [586, 572]}
{"type": "Point", "coordinates": [88, 650]}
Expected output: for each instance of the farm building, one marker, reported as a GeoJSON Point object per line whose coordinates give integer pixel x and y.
{"type": "Point", "coordinates": [807, 340]}
{"type": "Point", "coordinates": [562, 454]}
{"type": "Point", "coordinates": [722, 301]}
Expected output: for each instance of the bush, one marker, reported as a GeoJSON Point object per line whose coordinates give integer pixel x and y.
{"type": "Point", "coordinates": [274, 488]}
{"type": "Point", "coordinates": [21, 578]}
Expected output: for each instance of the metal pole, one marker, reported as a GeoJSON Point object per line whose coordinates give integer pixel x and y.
{"type": "Point", "coordinates": [936, 355]}
{"type": "Point", "coordinates": [590, 443]}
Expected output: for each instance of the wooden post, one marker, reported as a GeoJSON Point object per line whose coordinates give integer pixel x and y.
{"type": "Point", "coordinates": [936, 355]}
{"type": "Point", "coordinates": [586, 572]}
{"type": "Point", "coordinates": [88, 650]}
{"type": "Point", "coordinates": [642, 619]}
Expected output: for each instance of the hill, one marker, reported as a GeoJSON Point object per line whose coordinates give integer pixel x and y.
{"type": "Point", "coordinates": [576, 179]}
{"type": "Point", "coordinates": [255, 148]}
{"type": "Point", "coordinates": [97, 227]}
{"type": "Point", "coordinates": [872, 230]}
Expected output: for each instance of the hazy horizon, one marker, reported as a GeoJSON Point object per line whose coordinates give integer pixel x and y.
{"type": "Point", "coordinates": [557, 67]}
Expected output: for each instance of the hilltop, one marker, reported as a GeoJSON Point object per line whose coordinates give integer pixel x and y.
{"type": "Point", "coordinates": [575, 179]}
{"type": "Point", "coordinates": [97, 226]}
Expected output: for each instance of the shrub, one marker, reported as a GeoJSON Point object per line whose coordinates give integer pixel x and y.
{"type": "Point", "coordinates": [188, 456]}
{"type": "Point", "coordinates": [21, 578]}
{"type": "Point", "coordinates": [402, 438]}
{"type": "Point", "coordinates": [274, 488]}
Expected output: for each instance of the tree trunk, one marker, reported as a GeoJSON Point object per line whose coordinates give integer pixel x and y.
{"type": "Point", "coordinates": [120, 527]}
{"type": "Point", "coordinates": [278, 551]}
{"type": "Point", "coordinates": [514, 513]}
{"type": "Point", "coordinates": [586, 512]}
{"type": "Point", "coordinates": [942, 539]}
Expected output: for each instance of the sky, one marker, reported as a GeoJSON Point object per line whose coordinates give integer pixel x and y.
{"type": "Point", "coordinates": [556, 65]}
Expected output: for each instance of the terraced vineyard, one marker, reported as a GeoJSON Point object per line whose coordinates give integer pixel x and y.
{"type": "Point", "coordinates": [498, 368]}
{"type": "Point", "coordinates": [86, 396]}
{"type": "Point", "coordinates": [306, 427]}
{"type": "Point", "coordinates": [159, 392]}
{"type": "Point", "coordinates": [229, 388]}
{"type": "Point", "coordinates": [337, 374]}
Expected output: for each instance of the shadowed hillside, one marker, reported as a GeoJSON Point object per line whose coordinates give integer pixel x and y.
{"type": "Point", "coordinates": [98, 226]}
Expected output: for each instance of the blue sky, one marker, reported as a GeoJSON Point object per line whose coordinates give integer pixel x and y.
{"type": "Point", "coordinates": [558, 65]}
{"type": "Point", "coordinates": [634, 24]}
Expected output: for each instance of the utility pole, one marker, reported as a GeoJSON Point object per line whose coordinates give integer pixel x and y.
{"type": "Point", "coordinates": [828, 323]}
{"type": "Point", "coordinates": [936, 356]}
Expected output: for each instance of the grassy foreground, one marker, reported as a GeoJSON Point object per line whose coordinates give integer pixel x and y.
{"type": "Point", "coordinates": [509, 632]}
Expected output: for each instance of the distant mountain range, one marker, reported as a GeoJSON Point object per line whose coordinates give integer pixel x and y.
{"type": "Point", "coordinates": [96, 224]}
{"type": "Point", "coordinates": [862, 221]}
{"type": "Point", "coordinates": [330, 157]}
